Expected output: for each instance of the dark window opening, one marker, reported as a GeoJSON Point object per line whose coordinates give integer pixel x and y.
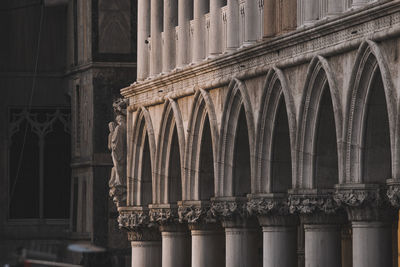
{"type": "Point", "coordinates": [174, 175]}
{"type": "Point", "coordinates": [146, 190]}
{"type": "Point", "coordinates": [281, 165]}
{"type": "Point", "coordinates": [241, 164]}
{"type": "Point", "coordinates": [206, 170]}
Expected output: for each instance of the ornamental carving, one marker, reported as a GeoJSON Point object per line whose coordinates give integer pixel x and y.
{"type": "Point", "coordinates": [228, 210]}
{"type": "Point", "coordinates": [268, 206]}
{"type": "Point", "coordinates": [163, 216]}
{"type": "Point", "coordinates": [192, 214]}
{"type": "Point", "coordinates": [133, 220]}
{"type": "Point", "coordinates": [358, 198]}
{"type": "Point", "coordinates": [308, 204]}
{"type": "Point", "coordinates": [393, 195]}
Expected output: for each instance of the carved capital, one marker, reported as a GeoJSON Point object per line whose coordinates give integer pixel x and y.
{"type": "Point", "coordinates": [228, 210]}
{"type": "Point", "coordinates": [131, 220]}
{"type": "Point", "coordinates": [118, 194]}
{"type": "Point", "coordinates": [162, 216]}
{"type": "Point", "coordinates": [194, 214]}
{"type": "Point", "coordinates": [268, 206]}
{"type": "Point", "coordinates": [365, 204]}
{"type": "Point", "coordinates": [309, 204]}
{"type": "Point", "coordinates": [393, 195]}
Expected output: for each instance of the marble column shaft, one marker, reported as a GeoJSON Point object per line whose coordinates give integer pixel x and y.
{"type": "Point", "coordinates": [185, 9]}
{"type": "Point", "coordinates": [146, 253]}
{"type": "Point", "coordinates": [199, 10]}
{"type": "Point", "coordinates": [155, 32]}
{"type": "Point", "coordinates": [170, 22]}
{"type": "Point", "coordinates": [372, 244]}
{"type": "Point", "coordinates": [215, 39]}
{"type": "Point", "coordinates": [175, 249]}
{"type": "Point", "coordinates": [232, 41]}
{"type": "Point", "coordinates": [241, 247]}
{"type": "Point", "coordinates": [208, 248]}
{"type": "Point", "coordinates": [322, 245]}
{"type": "Point", "coordinates": [252, 25]}
{"type": "Point", "coordinates": [279, 246]}
{"type": "Point", "coordinates": [143, 33]}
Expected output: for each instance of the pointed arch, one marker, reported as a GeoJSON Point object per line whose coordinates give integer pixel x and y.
{"type": "Point", "coordinates": [202, 112]}
{"type": "Point", "coordinates": [320, 90]}
{"type": "Point", "coordinates": [143, 142]}
{"type": "Point", "coordinates": [236, 102]}
{"type": "Point", "coordinates": [370, 65]}
{"type": "Point", "coordinates": [171, 140]}
{"type": "Point", "coordinates": [276, 93]}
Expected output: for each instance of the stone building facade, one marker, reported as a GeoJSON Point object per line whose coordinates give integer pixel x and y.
{"type": "Point", "coordinates": [264, 133]}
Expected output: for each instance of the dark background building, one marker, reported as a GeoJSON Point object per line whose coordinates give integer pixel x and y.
{"type": "Point", "coordinates": [62, 64]}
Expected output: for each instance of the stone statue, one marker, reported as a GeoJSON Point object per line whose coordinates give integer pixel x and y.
{"type": "Point", "coordinates": [118, 147]}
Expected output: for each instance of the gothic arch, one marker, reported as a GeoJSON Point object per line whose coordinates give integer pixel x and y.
{"type": "Point", "coordinates": [202, 112]}
{"type": "Point", "coordinates": [171, 125]}
{"type": "Point", "coordinates": [143, 128]}
{"type": "Point", "coordinates": [370, 62]}
{"type": "Point", "coordinates": [276, 93]}
{"type": "Point", "coordinates": [320, 83]}
{"type": "Point", "coordinates": [236, 99]}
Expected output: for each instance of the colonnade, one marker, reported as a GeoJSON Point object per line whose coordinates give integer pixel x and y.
{"type": "Point", "coordinates": [174, 33]}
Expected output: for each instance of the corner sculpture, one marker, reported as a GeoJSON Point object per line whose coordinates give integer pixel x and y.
{"type": "Point", "coordinates": [117, 145]}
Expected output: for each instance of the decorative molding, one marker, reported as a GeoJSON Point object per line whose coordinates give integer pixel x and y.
{"type": "Point", "coordinates": [192, 214]}
{"type": "Point", "coordinates": [133, 219]}
{"type": "Point", "coordinates": [310, 204]}
{"type": "Point", "coordinates": [163, 216]}
{"type": "Point", "coordinates": [226, 210]}
{"type": "Point", "coordinates": [359, 197]}
{"type": "Point", "coordinates": [118, 194]}
{"type": "Point", "coordinates": [268, 206]}
{"type": "Point", "coordinates": [393, 195]}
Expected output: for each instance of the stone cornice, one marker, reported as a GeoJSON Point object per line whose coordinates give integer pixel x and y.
{"type": "Point", "coordinates": [326, 37]}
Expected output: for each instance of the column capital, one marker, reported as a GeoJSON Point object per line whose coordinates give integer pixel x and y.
{"type": "Point", "coordinates": [232, 212]}
{"type": "Point", "coordinates": [393, 192]}
{"type": "Point", "coordinates": [306, 203]}
{"type": "Point", "coordinates": [131, 218]}
{"type": "Point", "coordinates": [163, 214]}
{"type": "Point", "coordinates": [364, 202]}
{"type": "Point", "coordinates": [195, 212]}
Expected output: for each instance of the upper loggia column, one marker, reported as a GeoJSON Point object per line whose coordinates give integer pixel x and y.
{"type": "Point", "coordinates": [252, 25]}
{"type": "Point", "coordinates": [143, 33]}
{"type": "Point", "coordinates": [147, 252]}
{"type": "Point", "coordinates": [175, 246]}
{"type": "Point", "coordinates": [156, 25]}
{"type": "Point", "coordinates": [185, 11]}
{"type": "Point", "coordinates": [232, 42]}
{"type": "Point", "coordinates": [269, 18]}
{"type": "Point", "coordinates": [170, 22]}
{"type": "Point", "coordinates": [208, 246]}
{"type": "Point", "coordinates": [310, 10]}
{"type": "Point", "coordinates": [215, 37]}
{"type": "Point", "coordinates": [199, 10]}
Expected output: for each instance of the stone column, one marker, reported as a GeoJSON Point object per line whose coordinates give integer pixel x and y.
{"type": "Point", "coordinates": [310, 10]}
{"type": "Point", "coordinates": [279, 229]}
{"type": "Point", "coordinates": [146, 248]}
{"type": "Point", "coordinates": [170, 21]}
{"type": "Point", "coordinates": [215, 38]}
{"type": "Point", "coordinates": [318, 213]}
{"type": "Point", "coordinates": [199, 10]}
{"type": "Point", "coordinates": [208, 248]}
{"type": "Point", "coordinates": [252, 25]}
{"type": "Point", "coordinates": [232, 31]}
{"type": "Point", "coordinates": [185, 9]}
{"type": "Point", "coordinates": [269, 18]}
{"type": "Point", "coordinates": [371, 223]}
{"type": "Point", "coordinates": [175, 246]}
{"type": "Point", "coordinates": [241, 233]}
{"type": "Point", "coordinates": [155, 33]}
{"type": "Point", "coordinates": [322, 243]}
{"type": "Point", "coordinates": [142, 35]}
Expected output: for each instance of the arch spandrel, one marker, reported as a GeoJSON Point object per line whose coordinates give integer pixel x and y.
{"type": "Point", "coordinates": [202, 107]}
{"type": "Point", "coordinates": [236, 98]}
{"type": "Point", "coordinates": [275, 89]}
{"type": "Point", "coordinates": [319, 78]}
{"type": "Point", "coordinates": [171, 119]}
{"type": "Point", "coordinates": [369, 61]}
